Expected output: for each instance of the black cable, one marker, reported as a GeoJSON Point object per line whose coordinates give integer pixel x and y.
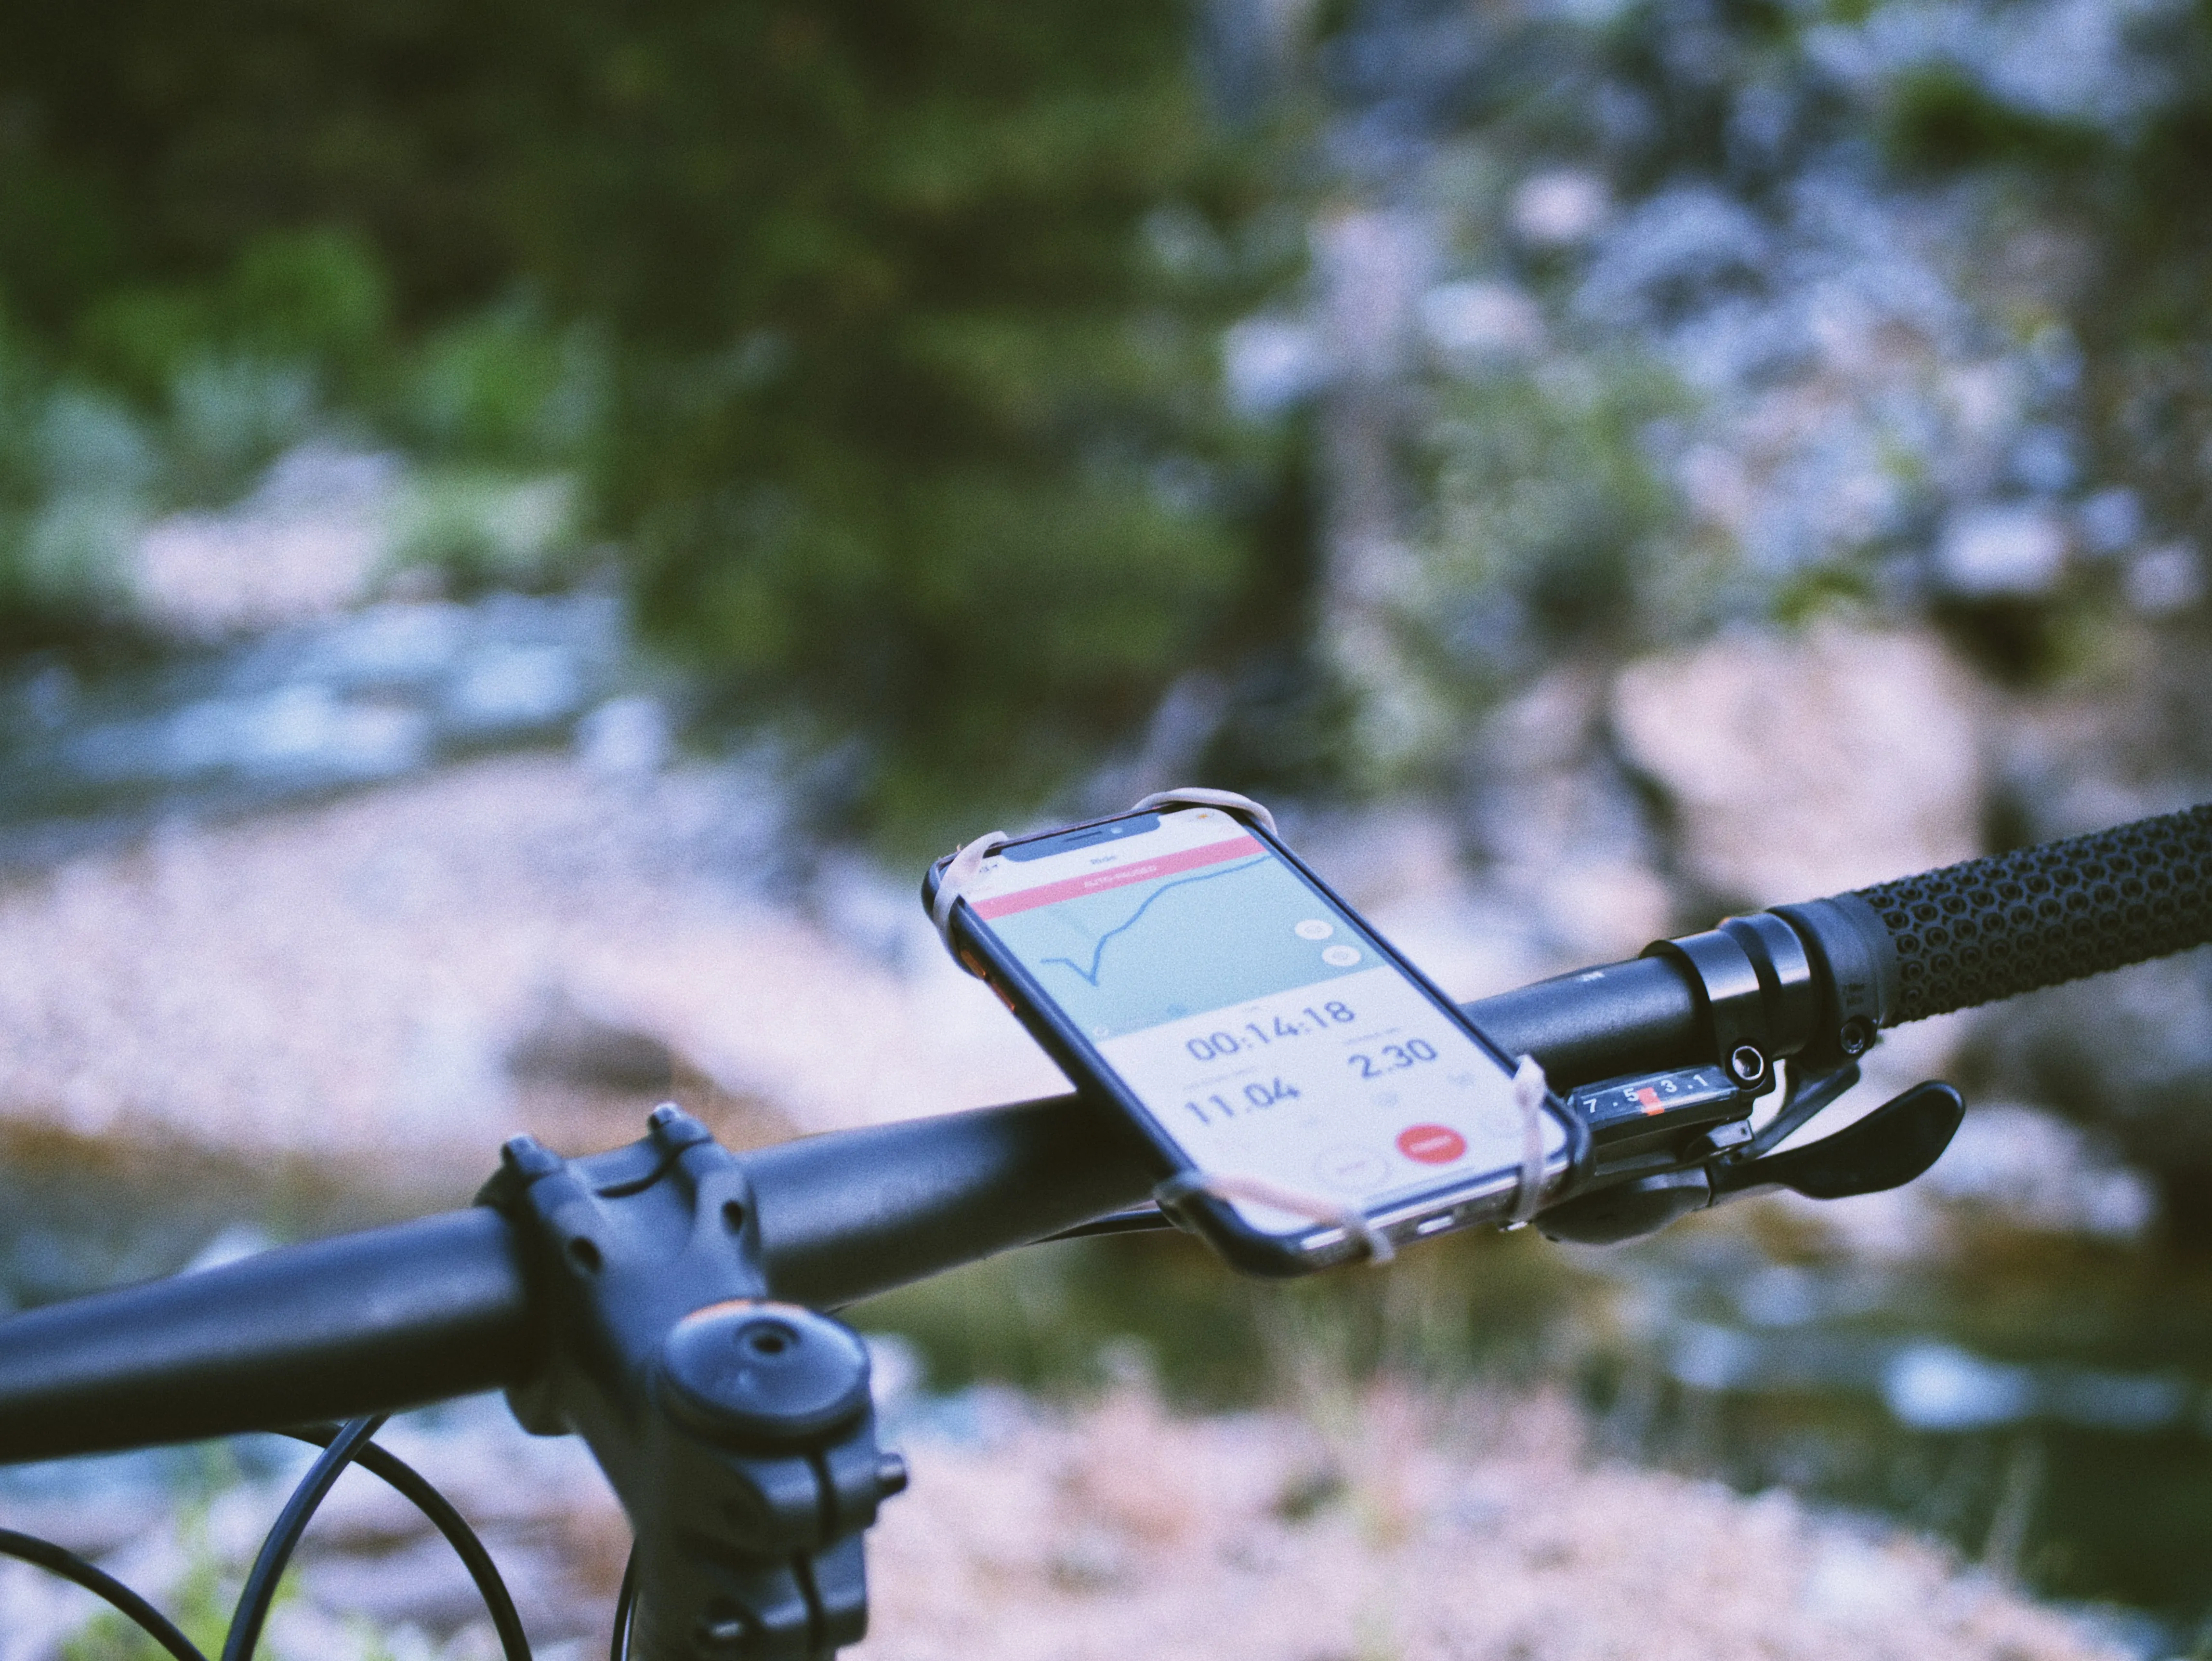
{"type": "Point", "coordinates": [1135, 1219]}
{"type": "Point", "coordinates": [70, 1566]}
{"type": "Point", "coordinates": [350, 1444]}
{"type": "Point", "coordinates": [276, 1550]}
{"type": "Point", "coordinates": [625, 1610]}
{"type": "Point", "coordinates": [411, 1484]}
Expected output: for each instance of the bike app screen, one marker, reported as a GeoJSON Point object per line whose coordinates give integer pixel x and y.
{"type": "Point", "coordinates": [1254, 1019]}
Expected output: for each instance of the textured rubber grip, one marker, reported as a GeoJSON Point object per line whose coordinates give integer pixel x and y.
{"type": "Point", "coordinates": [1974, 933]}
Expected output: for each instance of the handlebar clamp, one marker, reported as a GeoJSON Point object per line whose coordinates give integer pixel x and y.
{"type": "Point", "coordinates": [737, 1431]}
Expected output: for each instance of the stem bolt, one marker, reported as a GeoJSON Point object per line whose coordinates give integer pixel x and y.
{"type": "Point", "coordinates": [1747, 1064]}
{"type": "Point", "coordinates": [890, 1475]}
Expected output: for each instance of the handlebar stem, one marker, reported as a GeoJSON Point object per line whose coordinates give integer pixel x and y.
{"type": "Point", "coordinates": [737, 1431]}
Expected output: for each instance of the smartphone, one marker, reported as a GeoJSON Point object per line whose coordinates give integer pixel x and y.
{"type": "Point", "coordinates": [1186, 966]}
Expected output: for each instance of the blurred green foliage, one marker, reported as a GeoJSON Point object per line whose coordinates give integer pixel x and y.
{"type": "Point", "coordinates": [1939, 120]}
{"type": "Point", "coordinates": [158, 396]}
{"type": "Point", "coordinates": [1551, 527]}
{"type": "Point", "coordinates": [2145, 316]}
{"type": "Point", "coordinates": [881, 334]}
{"type": "Point", "coordinates": [200, 1603]}
{"type": "Point", "coordinates": [2129, 199]}
{"type": "Point", "coordinates": [1065, 1318]}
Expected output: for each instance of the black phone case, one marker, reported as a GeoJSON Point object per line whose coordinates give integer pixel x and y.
{"type": "Point", "coordinates": [1242, 1246]}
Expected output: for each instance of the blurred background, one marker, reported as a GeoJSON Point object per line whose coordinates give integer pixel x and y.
{"type": "Point", "coordinates": [523, 528]}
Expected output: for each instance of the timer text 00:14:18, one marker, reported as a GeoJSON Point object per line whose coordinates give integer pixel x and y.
{"type": "Point", "coordinates": [1253, 1035]}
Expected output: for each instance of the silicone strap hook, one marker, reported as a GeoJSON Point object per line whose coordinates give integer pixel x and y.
{"type": "Point", "coordinates": [965, 864]}
{"type": "Point", "coordinates": [1255, 1190]}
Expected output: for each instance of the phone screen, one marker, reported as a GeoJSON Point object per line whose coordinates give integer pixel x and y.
{"type": "Point", "coordinates": [1254, 1019]}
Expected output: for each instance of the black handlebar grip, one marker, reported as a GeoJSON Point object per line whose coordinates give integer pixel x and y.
{"type": "Point", "coordinates": [1974, 933]}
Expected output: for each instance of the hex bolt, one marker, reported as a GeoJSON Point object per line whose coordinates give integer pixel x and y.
{"type": "Point", "coordinates": [1857, 1038]}
{"type": "Point", "coordinates": [1747, 1064]}
{"type": "Point", "coordinates": [727, 1634]}
{"type": "Point", "coordinates": [890, 1475]}
{"type": "Point", "coordinates": [528, 1158]}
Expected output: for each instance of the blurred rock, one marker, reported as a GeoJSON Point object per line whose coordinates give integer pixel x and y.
{"type": "Point", "coordinates": [377, 693]}
{"type": "Point", "coordinates": [516, 690]}
{"type": "Point", "coordinates": [2128, 736]}
{"type": "Point", "coordinates": [625, 738]}
{"type": "Point", "coordinates": [563, 1042]}
{"type": "Point", "coordinates": [1560, 208]}
{"type": "Point", "coordinates": [1564, 835]}
{"type": "Point", "coordinates": [1939, 1387]}
{"type": "Point", "coordinates": [2042, 461]}
{"type": "Point", "coordinates": [1472, 1527]}
{"type": "Point", "coordinates": [1471, 324]}
{"type": "Point", "coordinates": [2037, 1172]}
{"type": "Point", "coordinates": [1801, 765]}
{"type": "Point", "coordinates": [1272, 364]}
{"type": "Point", "coordinates": [1988, 553]}
{"type": "Point", "coordinates": [1685, 247]}
{"type": "Point", "coordinates": [309, 542]}
{"type": "Point", "coordinates": [1405, 872]}
{"type": "Point", "coordinates": [2161, 580]}
{"type": "Point", "coordinates": [1374, 267]}
{"type": "Point", "coordinates": [2110, 522]}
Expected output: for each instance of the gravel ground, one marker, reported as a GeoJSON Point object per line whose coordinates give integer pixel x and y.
{"type": "Point", "coordinates": [1386, 1529]}
{"type": "Point", "coordinates": [1372, 1527]}
{"type": "Point", "coordinates": [398, 980]}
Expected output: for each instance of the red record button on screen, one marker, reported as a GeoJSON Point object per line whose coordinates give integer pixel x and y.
{"type": "Point", "coordinates": [1431, 1144]}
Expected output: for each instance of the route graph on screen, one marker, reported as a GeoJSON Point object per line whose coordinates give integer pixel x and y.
{"type": "Point", "coordinates": [1134, 956]}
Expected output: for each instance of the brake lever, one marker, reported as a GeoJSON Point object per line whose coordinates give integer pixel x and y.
{"type": "Point", "coordinates": [1888, 1148]}
{"type": "Point", "coordinates": [1804, 1098]}
{"type": "Point", "coordinates": [1895, 1143]}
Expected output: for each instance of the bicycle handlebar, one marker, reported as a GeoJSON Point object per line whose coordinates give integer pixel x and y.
{"type": "Point", "coordinates": [416, 1312]}
{"type": "Point", "coordinates": [395, 1318]}
{"type": "Point", "coordinates": [399, 1316]}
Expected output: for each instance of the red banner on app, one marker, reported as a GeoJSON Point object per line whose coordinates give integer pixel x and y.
{"type": "Point", "coordinates": [1118, 876]}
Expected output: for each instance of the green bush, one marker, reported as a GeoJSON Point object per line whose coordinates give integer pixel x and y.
{"type": "Point", "coordinates": [230, 416]}
{"type": "Point", "coordinates": [503, 385]}
{"type": "Point", "coordinates": [317, 297]}
{"type": "Point", "coordinates": [479, 529]}
{"type": "Point", "coordinates": [945, 470]}
{"type": "Point", "coordinates": [76, 466]}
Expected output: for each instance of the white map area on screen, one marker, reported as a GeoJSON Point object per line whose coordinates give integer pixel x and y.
{"type": "Point", "coordinates": [1149, 951]}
